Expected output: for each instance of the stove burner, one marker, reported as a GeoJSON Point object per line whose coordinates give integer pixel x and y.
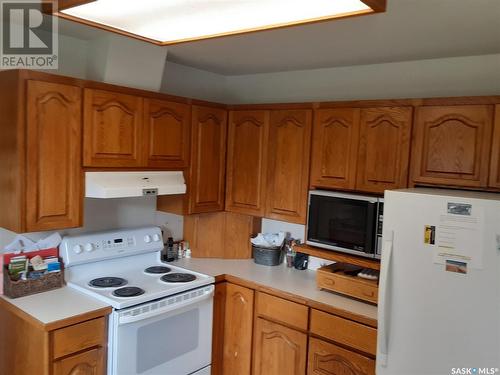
{"type": "Point", "coordinates": [108, 282]}
{"type": "Point", "coordinates": [157, 269]}
{"type": "Point", "coordinates": [128, 291]}
{"type": "Point", "coordinates": [178, 278]}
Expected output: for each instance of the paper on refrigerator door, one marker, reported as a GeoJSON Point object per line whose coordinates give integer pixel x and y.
{"type": "Point", "coordinates": [459, 235]}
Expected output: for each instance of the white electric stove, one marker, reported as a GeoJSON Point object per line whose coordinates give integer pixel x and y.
{"type": "Point", "coordinates": [162, 314]}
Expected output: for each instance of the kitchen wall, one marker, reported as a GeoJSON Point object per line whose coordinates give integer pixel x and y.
{"type": "Point", "coordinates": [103, 214]}
{"type": "Point", "coordinates": [194, 83]}
{"type": "Point", "coordinates": [457, 76]}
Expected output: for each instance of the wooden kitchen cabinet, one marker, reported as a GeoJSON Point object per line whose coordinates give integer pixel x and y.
{"type": "Point", "coordinates": [494, 181]}
{"type": "Point", "coordinates": [221, 234]}
{"type": "Point", "coordinates": [208, 158]}
{"type": "Point", "coordinates": [72, 346]}
{"type": "Point", "coordinates": [167, 128]}
{"type": "Point", "coordinates": [288, 166]}
{"type": "Point", "coordinates": [238, 330]}
{"type": "Point", "coordinates": [329, 359]}
{"type": "Point", "coordinates": [112, 129]}
{"type": "Point", "coordinates": [90, 362]}
{"type": "Point", "coordinates": [53, 171]}
{"type": "Point", "coordinates": [363, 149]}
{"type": "Point", "coordinates": [40, 154]}
{"type": "Point", "coordinates": [247, 150]}
{"type": "Point", "coordinates": [335, 148]}
{"type": "Point", "coordinates": [384, 148]}
{"type": "Point", "coordinates": [452, 145]}
{"type": "Point", "coordinates": [278, 349]}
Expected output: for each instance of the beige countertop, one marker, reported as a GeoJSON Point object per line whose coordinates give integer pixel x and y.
{"type": "Point", "coordinates": [51, 309]}
{"type": "Point", "coordinates": [288, 280]}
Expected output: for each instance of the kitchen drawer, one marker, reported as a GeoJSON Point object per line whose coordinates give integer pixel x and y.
{"type": "Point", "coordinates": [343, 331]}
{"type": "Point", "coordinates": [350, 285]}
{"type": "Point", "coordinates": [78, 337]}
{"type": "Point", "coordinates": [282, 311]}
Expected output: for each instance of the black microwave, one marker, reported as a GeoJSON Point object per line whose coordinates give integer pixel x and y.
{"type": "Point", "coordinates": [345, 222]}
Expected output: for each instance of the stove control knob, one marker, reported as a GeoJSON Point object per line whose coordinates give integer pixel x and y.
{"type": "Point", "coordinates": [147, 238]}
{"type": "Point", "coordinates": [156, 237]}
{"type": "Point", "coordinates": [77, 249]}
{"type": "Point", "coordinates": [89, 247]}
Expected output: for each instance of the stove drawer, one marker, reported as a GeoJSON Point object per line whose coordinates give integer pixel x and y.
{"type": "Point", "coordinates": [78, 337]}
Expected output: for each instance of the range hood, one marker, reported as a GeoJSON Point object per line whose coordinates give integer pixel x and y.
{"type": "Point", "coordinates": [133, 184]}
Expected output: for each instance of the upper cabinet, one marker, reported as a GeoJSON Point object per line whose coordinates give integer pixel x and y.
{"type": "Point", "coordinates": [53, 169]}
{"type": "Point", "coordinates": [335, 148]}
{"type": "Point", "coordinates": [247, 150]}
{"type": "Point", "coordinates": [208, 157]}
{"type": "Point", "coordinates": [268, 163]}
{"type": "Point", "coordinates": [494, 181]}
{"type": "Point", "coordinates": [384, 149]}
{"type": "Point", "coordinates": [40, 154]}
{"type": "Point", "coordinates": [452, 145]}
{"type": "Point", "coordinates": [112, 129]}
{"type": "Point", "coordinates": [361, 149]}
{"type": "Point", "coordinates": [128, 131]}
{"type": "Point", "coordinates": [166, 133]}
{"type": "Point", "coordinates": [288, 166]}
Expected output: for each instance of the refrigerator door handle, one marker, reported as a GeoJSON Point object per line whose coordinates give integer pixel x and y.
{"type": "Point", "coordinates": [384, 311]}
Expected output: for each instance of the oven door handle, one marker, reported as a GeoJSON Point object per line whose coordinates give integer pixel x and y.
{"type": "Point", "coordinates": [163, 310]}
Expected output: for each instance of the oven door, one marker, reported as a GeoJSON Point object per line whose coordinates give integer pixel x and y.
{"type": "Point", "coordinates": [168, 336]}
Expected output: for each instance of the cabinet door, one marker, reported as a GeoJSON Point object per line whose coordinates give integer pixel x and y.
{"type": "Point", "coordinates": [335, 148]}
{"type": "Point", "coordinates": [221, 234]}
{"type": "Point", "coordinates": [278, 350]}
{"type": "Point", "coordinates": [218, 328]}
{"type": "Point", "coordinates": [166, 133]}
{"type": "Point", "coordinates": [238, 330]}
{"type": "Point", "coordinates": [494, 181]}
{"type": "Point", "coordinates": [452, 145]}
{"type": "Point", "coordinates": [384, 149]}
{"type": "Point", "coordinates": [53, 169]}
{"type": "Point", "coordinates": [90, 362]}
{"type": "Point", "coordinates": [205, 233]}
{"type": "Point", "coordinates": [247, 162]}
{"type": "Point", "coordinates": [208, 145]}
{"type": "Point", "coordinates": [329, 359]}
{"type": "Point", "coordinates": [112, 129]}
{"type": "Point", "coordinates": [288, 167]}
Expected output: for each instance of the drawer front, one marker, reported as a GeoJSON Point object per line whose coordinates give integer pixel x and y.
{"type": "Point", "coordinates": [281, 310]}
{"type": "Point", "coordinates": [359, 290]}
{"type": "Point", "coordinates": [344, 331]}
{"type": "Point", "coordinates": [90, 362]}
{"type": "Point", "coordinates": [78, 337]}
{"type": "Point", "coordinates": [329, 359]}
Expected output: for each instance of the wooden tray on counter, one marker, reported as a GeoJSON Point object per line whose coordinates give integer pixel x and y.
{"type": "Point", "coordinates": [353, 286]}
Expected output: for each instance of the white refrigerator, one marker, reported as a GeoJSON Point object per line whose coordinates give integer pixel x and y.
{"type": "Point", "coordinates": [439, 294]}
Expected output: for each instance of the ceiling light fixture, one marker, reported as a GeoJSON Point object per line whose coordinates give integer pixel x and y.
{"type": "Point", "coordinates": [176, 21]}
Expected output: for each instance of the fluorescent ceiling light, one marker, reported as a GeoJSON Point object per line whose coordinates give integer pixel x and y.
{"type": "Point", "coordinates": [173, 21]}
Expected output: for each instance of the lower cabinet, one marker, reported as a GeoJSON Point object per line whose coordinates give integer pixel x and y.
{"type": "Point", "coordinates": [278, 350]}
{"type": "Point", "coordinates": [90, 362]}
{"type": "Point", "coordinates": [329, 359]}
{"type": "Point", "coordinates": [76, 346]}
{"type": "Point", "coordinates": [238, 330]}
{"type": "Point", "coordinates": [261, 334]}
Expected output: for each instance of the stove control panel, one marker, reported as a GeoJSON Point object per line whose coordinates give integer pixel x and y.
{"type": "Point", "coordinates": [91, 247]}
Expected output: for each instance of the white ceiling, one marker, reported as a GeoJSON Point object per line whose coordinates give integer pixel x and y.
{"type": "Point", "coordinates": [409, 30]}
